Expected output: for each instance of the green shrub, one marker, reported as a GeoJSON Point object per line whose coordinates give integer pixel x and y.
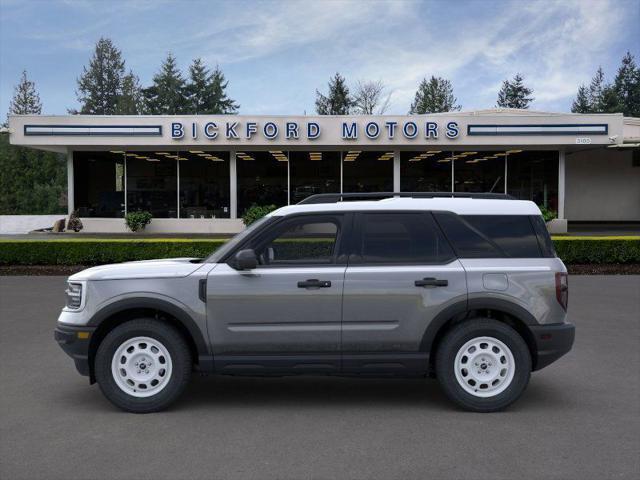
{"type": "Point", "coordinates": [598, 250]}
{"type": "Point", "coordinates": [99, 251]}
{"type": "Point", "coordinates": [547, 214]}
{"type": "Point", "coordinates": [137, 220]}
{"type": "Point", "coordinates": [75, 251]}
{"type": "Point", "coordinates": [256, 212]}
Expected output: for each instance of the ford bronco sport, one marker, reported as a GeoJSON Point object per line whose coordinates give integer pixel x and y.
{"type": "Point", "coordinates": [463, 287]}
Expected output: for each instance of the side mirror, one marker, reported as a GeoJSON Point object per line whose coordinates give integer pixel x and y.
{"type": "Point", "coordinates": [245, 260]}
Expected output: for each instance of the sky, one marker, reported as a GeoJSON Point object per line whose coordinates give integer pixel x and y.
{"type": "Point", "coordinates": [275, 54]}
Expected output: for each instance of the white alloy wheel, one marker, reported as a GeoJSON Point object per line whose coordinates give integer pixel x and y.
{"type": "Point", "coordinates": [484, 367]}
{"type": "Point", "coordinates": [141, 367]}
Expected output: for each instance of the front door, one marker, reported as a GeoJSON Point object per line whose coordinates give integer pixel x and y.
{"type": "Point", "coordinates": [401, 274]}
{"type": "Point", "coordinates": [284, 315]}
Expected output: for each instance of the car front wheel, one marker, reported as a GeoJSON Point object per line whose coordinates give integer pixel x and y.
{"type": "Point", "coordinates": [143, 365]}
{"type": "Point", "coordinates": [483, 365]}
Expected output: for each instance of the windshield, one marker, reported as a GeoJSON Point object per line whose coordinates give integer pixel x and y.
{"type": "Point", "coordinates": [236, 240]}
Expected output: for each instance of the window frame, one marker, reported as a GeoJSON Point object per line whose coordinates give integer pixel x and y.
{"type": "Point", "coordinates": [358, 231]}
{"type": "Point", "coordinates": [269, 232]}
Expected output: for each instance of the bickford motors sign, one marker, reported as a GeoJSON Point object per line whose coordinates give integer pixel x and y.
{"type": "Point", "coordinates": [295, 130]}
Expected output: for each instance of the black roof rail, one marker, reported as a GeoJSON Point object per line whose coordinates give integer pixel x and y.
{"type": "Point", "coordinates": [339, 197]}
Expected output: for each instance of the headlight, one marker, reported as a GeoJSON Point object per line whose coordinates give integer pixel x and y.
{"type": "Point", "coordinates": [74, 295]}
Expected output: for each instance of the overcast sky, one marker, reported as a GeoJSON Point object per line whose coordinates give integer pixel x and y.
{"type": "Point", "coordinates": [276, 53]}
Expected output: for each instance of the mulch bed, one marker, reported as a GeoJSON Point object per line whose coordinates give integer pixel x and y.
{"type": "Point", "coordinates": [589, 269]}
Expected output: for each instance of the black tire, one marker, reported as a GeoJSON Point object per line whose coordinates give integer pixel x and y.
{"type": "Point", "coordinates": [455, 339]}
{"type": "Point", "coordinates": [177, 348]}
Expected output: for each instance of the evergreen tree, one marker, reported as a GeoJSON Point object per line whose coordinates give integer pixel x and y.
{"type": "Point", "coordinates": [338, 101]}
{"type": "Point", "coordinates": [433, 96]}
{"type": "Point", "coordinates": [219, 102]}
{"type": "Point", "coordinates": [100, 85]}
{"type": "Point", "coordinates": [596, 91]}
{"type": "Point", "coordinates": [25, 99]}
{"type": "Point", "coordinates": [627, 86]}
{"type": "Point", "coordinates": [31, 181]}
{"type": "Point", "coordinates": [206, 91]}
{"type": "Point", "coordinates": [514, 94]}
{"type": "Point", "coordinates": [167, 95]}
{"type": "Point", "coordinates": [130, 101]}
{"type": "Point", "coordinates": [581, 104]}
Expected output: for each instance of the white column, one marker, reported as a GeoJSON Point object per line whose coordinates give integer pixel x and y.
{"type": "Point", "coordinates": [233, 185]}
{"type": "Point", "coordinates": [341, 171]}
{"type": "Point", "coordinates": [288, 179]}
{"type": "Point", "coordinates": [177, 188]}
{"type": "Point", "coordinates": [561, 181]}
{"type": "Point", "coordinates": [70, 181]}
{"type": "Point", "coordinates": [396, 170]}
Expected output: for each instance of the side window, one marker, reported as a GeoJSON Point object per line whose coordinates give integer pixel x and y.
{"type": "Point", "coordinates": [467, 241]}
{"type": "Point", "coordinates": [544, 239]}
{"type": "Point", "coordinates": [392, 238]}
{"type": "Point", "coordinates": [301, 242]}
{"type": "Point", "coordinates": [490, 236]}
{"type": "Point", "coordinates": [514, 234]}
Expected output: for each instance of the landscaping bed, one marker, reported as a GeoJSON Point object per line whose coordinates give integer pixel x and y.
{"type": "Point", "coordinates": [582, 255]}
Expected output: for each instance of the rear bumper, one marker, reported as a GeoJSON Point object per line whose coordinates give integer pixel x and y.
{"type": "Point", "coordinates": [75, 343]}
{"type": "Point", "coordinates": [552, 342]}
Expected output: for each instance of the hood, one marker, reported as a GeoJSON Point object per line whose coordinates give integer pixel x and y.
{"type": "Point", "coordinates": [165, 268]}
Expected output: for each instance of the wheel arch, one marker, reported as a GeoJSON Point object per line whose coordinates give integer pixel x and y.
{"type": "Point", "coordinates": [502, 310]}
{"type": "Point", "coordinates": [121, 311]}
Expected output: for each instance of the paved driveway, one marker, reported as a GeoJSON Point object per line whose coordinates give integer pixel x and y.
{"type": "Point", "coordinates": [580, 418]}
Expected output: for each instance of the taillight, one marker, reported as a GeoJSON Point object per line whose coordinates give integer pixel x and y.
{"type": "Point", "coordinates": [562, 289]}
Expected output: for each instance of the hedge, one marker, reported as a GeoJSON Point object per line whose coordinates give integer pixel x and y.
{"type": "Point", "coordinates": [572, 250]}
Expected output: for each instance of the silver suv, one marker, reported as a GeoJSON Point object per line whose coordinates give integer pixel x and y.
{"type": "Point", "coordinates": [464, 288]}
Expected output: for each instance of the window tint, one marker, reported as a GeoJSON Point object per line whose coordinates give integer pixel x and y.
{"type": "Point", "coordinates": [401, 238]}
{"type": "Point", "coordinates": [305, 241]}
{"type": "Point", "coordinates": [491, 236]}
{"type": "Point", "coordinates": [468, 243]}
{"type": "Point", "coordinates": [544, 239]}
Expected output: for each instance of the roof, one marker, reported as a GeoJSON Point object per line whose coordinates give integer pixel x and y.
{"type": "Point", "coordinates": [461, 206]}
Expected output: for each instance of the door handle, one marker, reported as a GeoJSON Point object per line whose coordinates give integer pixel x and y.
{"type": "Point", "coordinates": [431, 282]}
{"type": "Point", "coordinates": [314, 283]}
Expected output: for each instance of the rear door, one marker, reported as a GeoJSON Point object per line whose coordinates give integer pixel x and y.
{"type": "Point", "coordinates": [402, 272]}
{"type": "Point", "coordinates": [286, 313]}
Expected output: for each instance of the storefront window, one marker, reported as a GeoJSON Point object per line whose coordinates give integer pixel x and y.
{"type": "Point", "coordinates": [313, 172]}
{"type": "Point", "coordinates": [152, 183]}
{"type": "Point", "coordinates": [204, 184]}
{"type": "Point", "coordinates": [262, 179]}
{"type": "Point", "coordinates": [533, 175]}
{"type": "Point", "coordinates": [99, 184]}
{"type": "Point", "coordinates": [479, 171]}
{"type": "Point", "coordinates": [365, 171]}
{"type": "Point", "coordinates": [425, 171]}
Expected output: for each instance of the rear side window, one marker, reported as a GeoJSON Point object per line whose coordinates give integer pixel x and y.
{"type": "Point", "coordinates": [544, 239]}
{"type": "Point", "coordinates": [400, 238]}
{"type": "Point", "coordinates": [491, 236]}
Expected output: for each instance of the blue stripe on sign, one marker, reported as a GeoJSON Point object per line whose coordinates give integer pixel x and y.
{"type": "Point", "coordinates": [94, 130]}
{"type": "Point", "coordinates": [532, 129]}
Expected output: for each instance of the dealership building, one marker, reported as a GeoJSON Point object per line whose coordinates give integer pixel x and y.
{"type": "Point", "coordinates": [198, 174]}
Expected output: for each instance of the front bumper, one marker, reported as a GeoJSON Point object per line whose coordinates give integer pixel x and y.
{"type": "Point", "coordinates": [75, 343]}
{"type": "Point", "coordinates": [552, 342]}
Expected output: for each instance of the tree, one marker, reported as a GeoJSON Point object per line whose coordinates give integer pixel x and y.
{"type": "Point", "coordinates": [206, 92]}
{"type": "Point", "coordinates": [31, 181]}
{"type": "Point", "coordinates": [514, 94]}
{"type": "Point", "coordinates": [433, 96]}
{"type": "Point", "coordinates": [167, 95]}
{"type": "Point", "coordinates": [130, 101]}
{"type": "Point", "coordinates": [25, 99]}
{"type": "Point", "coordinates": [627, 86]}
{"type": "Point", "coordinates": [338, 101]}
{"type": "Point", "coordinates": [100, 85]}
{"type": "Point", "coordinates": [581, 104]}
{"type": "Point", "coordinates": [370, 98]}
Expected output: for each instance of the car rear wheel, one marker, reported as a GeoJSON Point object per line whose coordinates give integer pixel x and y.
{"type": "Point", "coordinates": [483, 365]}
{"type": "Point", "coordinates": [143, 365]}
